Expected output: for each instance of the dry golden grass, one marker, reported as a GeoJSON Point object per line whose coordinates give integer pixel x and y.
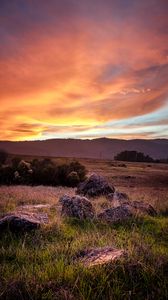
{"type": "Point", "coordinates": [140, 181]}
{"type": "Point", "coordinates": [13, 196]}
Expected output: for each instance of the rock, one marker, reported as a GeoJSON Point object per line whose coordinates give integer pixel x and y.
{"type": "Point", "coordinates": [114, 215]}
{"type": "Point", "coordinates": [63, 199]}
{"type": "Point", "coordinates": [118, 199]}
{"type": "Point", "coordinates": [16, 222]}
{"type": "Point", "coordinates": [95, 185]}
{"type": "Point", "coordinates": [100, 256]}
{"type": "Point", "coordinates": [77, 207]}
{"type": "Point", "coordinates": [140, 207]}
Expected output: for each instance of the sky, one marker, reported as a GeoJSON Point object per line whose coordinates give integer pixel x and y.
{"type": "Point", "coordinates": [83, 69]}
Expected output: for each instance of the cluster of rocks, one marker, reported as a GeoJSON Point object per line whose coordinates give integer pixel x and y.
{"type": "Point", "coordinates": [29, 218]}
{"type": "Point", "coordinates": [81, 208]}
{"type": "Point", "coordinates": [122, 208]}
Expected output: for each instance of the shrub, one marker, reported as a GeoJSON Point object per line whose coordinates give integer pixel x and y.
{"type": "Point", "coordinates": [73, 179]}
{"type": "Point", "coordinates": [45, 175]}
{"type": "Point", "coordinates": [71, 174]}
{"type": "Point", "coordinates": [6, 175]}
{"type": "Point", "coordinates": [3, 156]}
{"type": "Point", "coordinates": [15, 162]}
{"type": "Point", "coordinates": [42, 172]}
{"type": "Point", "coordinates": [79, 169]}
{"type": "Point", "coordinates": [25, 172]}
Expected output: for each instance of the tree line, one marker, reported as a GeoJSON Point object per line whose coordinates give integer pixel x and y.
{"type": "Point", "coordinates": [135, 156]}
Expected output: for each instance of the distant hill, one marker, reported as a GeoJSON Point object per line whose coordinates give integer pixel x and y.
{"type": "Point", "coordinates": [103, 148]}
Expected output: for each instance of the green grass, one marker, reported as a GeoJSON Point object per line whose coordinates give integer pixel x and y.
{"type": "Point", "coordinates": [41, 265]}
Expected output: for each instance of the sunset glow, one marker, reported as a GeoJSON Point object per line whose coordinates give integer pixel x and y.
{"type": "Point", "coordinates": [83, 69]}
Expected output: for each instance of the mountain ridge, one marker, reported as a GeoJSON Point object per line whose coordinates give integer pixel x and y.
{"type": "Point", "coordinates": [104, 148]}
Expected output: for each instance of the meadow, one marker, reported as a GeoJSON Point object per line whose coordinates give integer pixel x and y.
{"type": "Point", "coordinates": [42, 264]}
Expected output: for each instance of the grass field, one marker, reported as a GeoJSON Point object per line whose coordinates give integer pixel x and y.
{"type": "Point", "coordinates": [41, 265]}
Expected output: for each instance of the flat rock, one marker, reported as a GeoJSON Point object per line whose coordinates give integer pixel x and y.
{"type": "Point", "coordinates": [77, 207]}
{"type": "Point", "coordinates": [100, 256]}
{"type": "Point", "coordinates": [115, 215]}
{"type": "Point", "coordinates": [95, 185]}
{"type": "Point", "coordinates": [22, 222]}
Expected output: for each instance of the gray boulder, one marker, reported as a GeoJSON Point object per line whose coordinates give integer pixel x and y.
{"type": "Point", "coordinates": [95, 185]}
{"type": "Point", "coordinates": [19, 222]}
{"type": "Point", "coordinates": [115, 215]}
{"type": "Point", "coordinates": [77, 207]}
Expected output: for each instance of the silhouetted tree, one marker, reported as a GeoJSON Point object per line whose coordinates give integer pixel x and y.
{"type": "Point", "coordinates": [133, 156]}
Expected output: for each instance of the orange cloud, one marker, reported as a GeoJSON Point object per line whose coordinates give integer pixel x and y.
{"type": "Point", "coordinates": [83, 68]}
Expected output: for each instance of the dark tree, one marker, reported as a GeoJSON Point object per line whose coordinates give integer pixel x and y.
{"type": "Point", "coordinates": [3, 156]}
{"type": "Point", "coordinates": [133, 156]}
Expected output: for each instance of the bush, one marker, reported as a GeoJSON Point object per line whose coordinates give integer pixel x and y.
{"type": "Point", "coordinates": [6, 175]}
{"type": "Point", "coordinates": [15, 162]}
{"type": "Point", "coordinates": [79, 169]}
{"type": "Point", "coordinates": [3, 156]}
{"type": "Point", "coordinates": [73, 179]}
{"type": "Point", "coordinates": [42, 172]}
